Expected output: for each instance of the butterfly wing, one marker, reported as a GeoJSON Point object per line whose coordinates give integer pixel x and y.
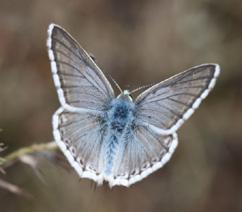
{"type": "Point", "coordinates": [80, 137]}
{"type": "Point", "coordinates": [165, 106]}
{"type": "Point", "coordinates": [160, 111]}
{"type": "Point", "coordinates": [145, 152]}
{"type": "Point", "coordinates": [83, 92]}
{"type": "Point", "coordinates": [78, 80]}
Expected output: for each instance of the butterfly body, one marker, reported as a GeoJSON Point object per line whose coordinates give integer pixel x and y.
{"type": "Point", "coordinates": [119, 122]}
{"type": "Point", "coordinates": [118, 139]}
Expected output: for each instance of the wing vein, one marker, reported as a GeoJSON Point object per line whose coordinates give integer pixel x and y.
{"type": "Point", "coordinates": [67, 47]}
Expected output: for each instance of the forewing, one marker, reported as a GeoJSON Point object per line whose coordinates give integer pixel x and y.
{"type": "Point", "coordinates": [80, 137]}
{"type": "Point", "coordinates": [145, 152]}
{"type": "Point", "coordinates": [165, 106]}
{"type": "Point", "coordinates": [78, 80]}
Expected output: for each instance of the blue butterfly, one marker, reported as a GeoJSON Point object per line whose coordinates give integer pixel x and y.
{"type": "Point", "coordinates": [118, 139]}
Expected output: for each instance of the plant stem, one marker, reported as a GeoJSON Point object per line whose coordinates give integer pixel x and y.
{"type": "Point", "coordinates": [27, 150]}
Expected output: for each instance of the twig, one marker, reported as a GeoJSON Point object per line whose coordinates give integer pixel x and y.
{"type": "Point", "coordinates": [10, 187]}
{"type": "Point", "coordinates": [27, 150]}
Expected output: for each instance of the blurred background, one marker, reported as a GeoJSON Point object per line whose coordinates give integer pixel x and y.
{"type": "Point", "coordinates": [137, 43]}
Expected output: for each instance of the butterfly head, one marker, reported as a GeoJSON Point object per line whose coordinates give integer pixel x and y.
{"type": "Point", "coordinates": [125, 95]}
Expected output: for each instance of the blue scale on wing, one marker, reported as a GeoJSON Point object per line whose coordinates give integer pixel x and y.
{"type": "Point", "coordinates": [112, 146]}
{"type": "Point", "coordinates": [119, 115]}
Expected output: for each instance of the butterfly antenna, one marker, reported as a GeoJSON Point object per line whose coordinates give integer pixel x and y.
{"type": "Point", "coordinates": [116, 84]}
{"type": "Point", "coordinates": [140, 88]}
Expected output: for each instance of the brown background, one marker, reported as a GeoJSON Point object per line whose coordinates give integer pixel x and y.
{"type": "Point", "coordinates": [137, 43]}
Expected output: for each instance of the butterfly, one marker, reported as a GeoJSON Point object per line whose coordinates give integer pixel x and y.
{"type": "Point", "coordinates": [115, 138]}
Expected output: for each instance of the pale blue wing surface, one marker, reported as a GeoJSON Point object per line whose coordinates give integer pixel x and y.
{"type": "Point", "coordinates": [84, 93]}
{"type": "Point", "coordinates": [165, 106]}
{"type": "Point", "coordinates": [144, 153]}
{"type": "Point", "coordinates": [80, 136]}
{"type": "Point", "coordinates": [78, 80]}
{"type": "Point", "coordinates": [97, 143]}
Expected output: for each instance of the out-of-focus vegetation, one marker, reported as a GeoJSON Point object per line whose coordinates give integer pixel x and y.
{"type": "Point", "coordinates": [137, 43]}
